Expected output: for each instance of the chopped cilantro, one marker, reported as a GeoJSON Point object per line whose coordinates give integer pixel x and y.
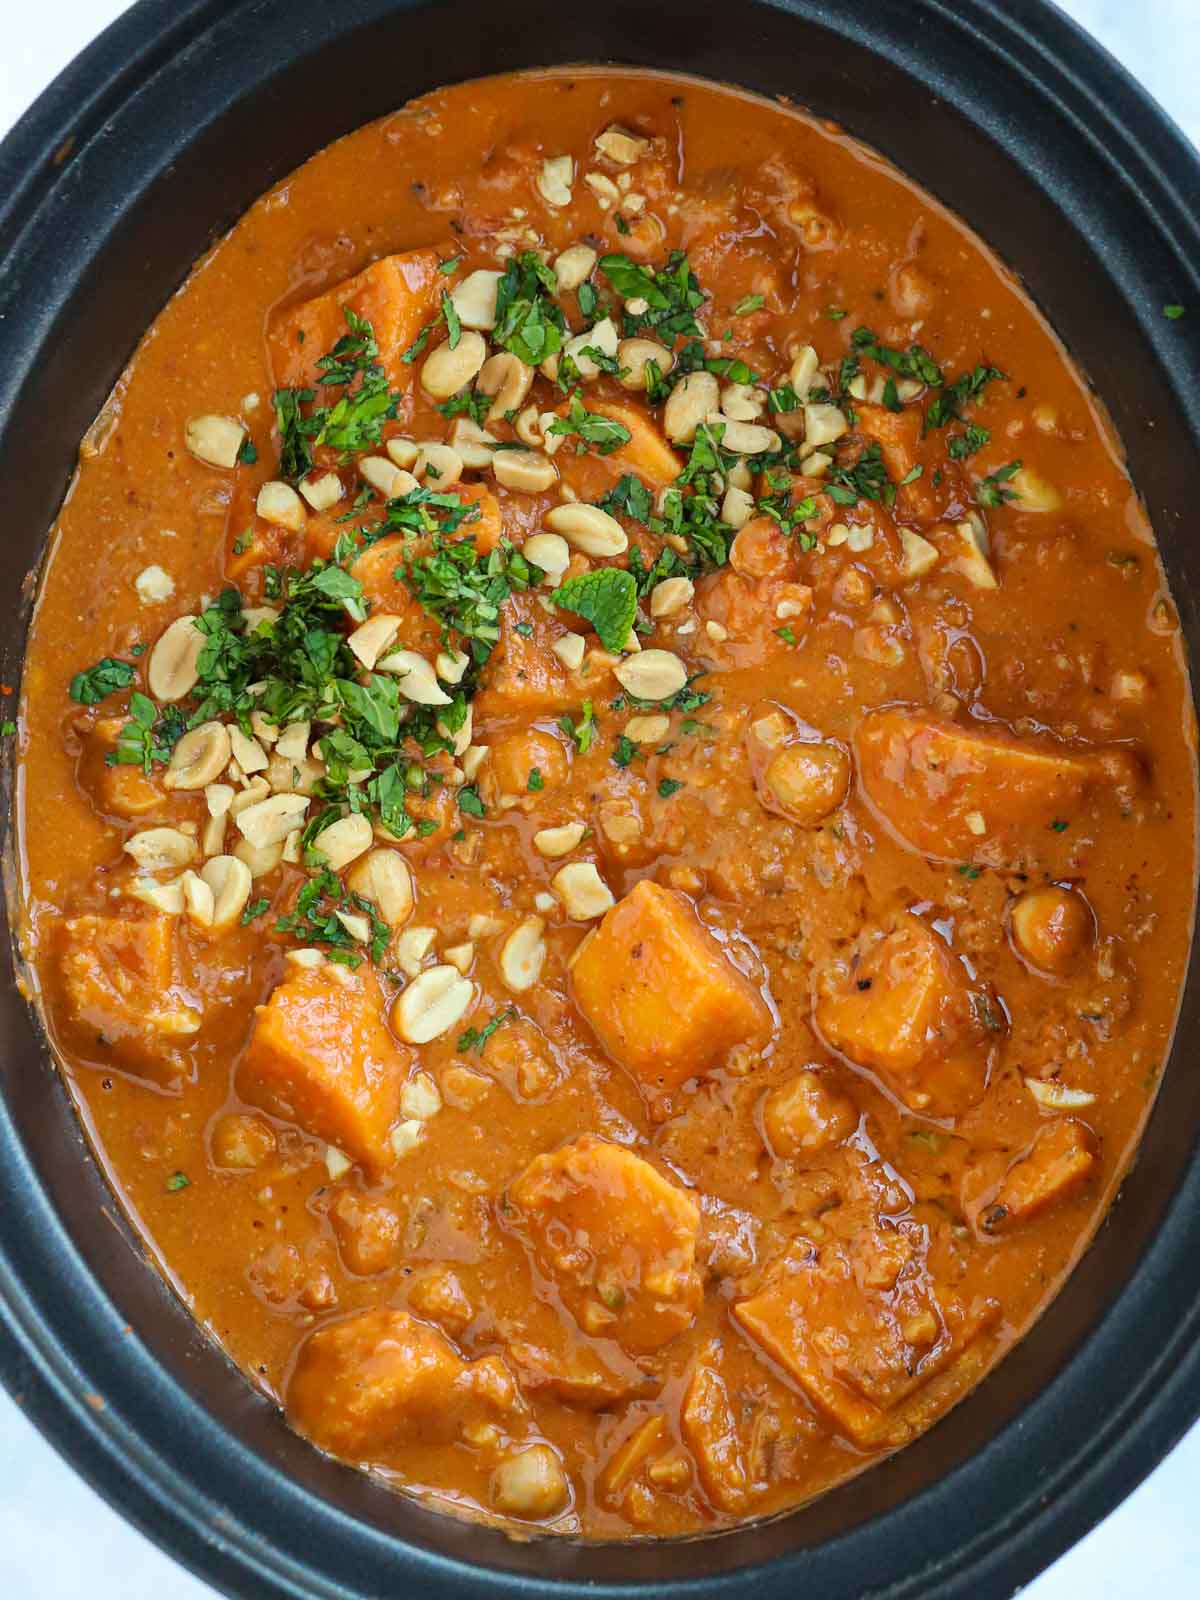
{"type": "Point", "coordinates": [254, 909]}
{"type": "Point", "coordinates": [747, 304]}
{"type": "Point", "coordinates": [528, 320]}
{"type": "Point", "coordinates": [671, 293]}
{"type": "Point", "coordinates": [948, 405]}
{"type": "Point", "coordinates": [476, 1038]}
{"type": "Point", "coordinates": [964, 444]}
{"type": "Point", "coordinates": [991, 491]}
{"type": "Point", "coordinates": [355, 420]}
{"type": "Point", "coordinates": [629, 497]}
{"type": "Point", "coordinates": [176, 1182]}
{"type": "Point", "coordinates": [593, 428]}
{"type": "Point", "coordinates": [469, 801]}
{"type": "Point", "coordinates": [535, 781]}
{"type": "Point", "coordinates": [247, 453]}
{"type": "Point", "coordinates": [668, 786]}
{"type": "Point", "coordinates": [97, 683]}
{"type": "Point", "coordinates": [915, 362]}
{"type": "Point", "coordinates": [623, 751]}
{"type": "Point", "coordinates": [583, 730]}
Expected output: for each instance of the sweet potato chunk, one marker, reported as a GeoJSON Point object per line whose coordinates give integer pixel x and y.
{"type": "Point", "coordinates": [123, 1000]}
{"type": "Point", "coordinates": [906, 1011]}
{"type": "Point", "coordinates": [380, 1381]}
{"type": "Point", "coordinates": [859, 1329]}
{"type": "Point", "coordinates": [709, 1427]}
{"type": "Point", "coordinates": [647, 453]}
{"type": "Point", "coordinates": [522, 673]}
{"type": "Point", "coordinates": [321, 1057]}
{"type": "Point", "coordinates": [1059, 1162]}
{"type": "Point", "coordinates": [397, 295]}
{"type": "Point", "coordinates": [618, 1240]}
{"type": "Point", "coordinates": [117, 790]}
{"type": "Point", "coordinates": [962, 794]}
{"type": "Point", "coordinates": [660, 993]}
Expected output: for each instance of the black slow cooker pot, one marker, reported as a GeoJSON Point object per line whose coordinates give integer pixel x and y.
{"type": "Point", "coordinates": [152, 143]}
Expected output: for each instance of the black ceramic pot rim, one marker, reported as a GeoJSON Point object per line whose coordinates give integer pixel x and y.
{"type": "Point", "coordinates": [100, 1398]}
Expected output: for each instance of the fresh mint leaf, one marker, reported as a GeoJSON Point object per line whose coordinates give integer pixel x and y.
{"type": "Point", "coordinates": [607, 598]}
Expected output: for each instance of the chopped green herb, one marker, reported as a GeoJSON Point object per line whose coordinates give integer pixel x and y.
{"type": "Point", "coordinates": [447, 267]}
{"type": "Point", "coordinates": [915, 362]}
{"type": "Point", "coordinates": [177, 1181]}
{"type": "Point", "coordinates": [254, 909]}
{"type": "Point", "coordinates": [965, 444]}
{"type": "Point", "coordinates": [747, 304]}
{"type": "Point", "coordinates": [583, 730]}
{"type": "Point", "coordinates": [535, 781]}
{"type": "Point", "coordinates": [529, 322]}
{"type": "Point", "coordinates": [355, 420]}
{"type": "Point", "coordinates": [835, 313]}
{"type": "Point", "coordinates": [247, 453]}
{"type": "Point", "coordinates": [1173, 313]}
{"type": "Point", "coordinates": [991, 491]}
{"type": "Point", "coordinates": [605, 433]}
{"type": "Point", "coordinates": [629, 497]}
{"type": "Point", "coordinates": [7, 729]}
{"type": "Point", "coordinates": [476, 1038]}
{"type": "Point", "coordinates": [607, 598]}
{"type": "Point", "coordinates": [450, 317]}
{"type": "Point", "coordinates": [1060, 826]}
{"type": "Point", "coordinates": [623, 751]}
{"type": "Point", "coordinates": [948, 405]}
{"type": "Point", "coordinates": [672, 294]}
{"type": "Point", "coordinates": [469, 801]}
{"type": "Point", "coordinates": [668, 786]}
{"type": "Point", "coordinates": [107, 677]}
{"type": "Point", "coordinates": [787, 635]}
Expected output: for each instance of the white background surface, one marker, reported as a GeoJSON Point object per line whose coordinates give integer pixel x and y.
{"type": "Point", "coordinates": [59, 1541]}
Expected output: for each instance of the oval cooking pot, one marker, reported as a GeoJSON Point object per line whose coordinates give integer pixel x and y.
{"type": "Point", "coordinates": [154, 141]}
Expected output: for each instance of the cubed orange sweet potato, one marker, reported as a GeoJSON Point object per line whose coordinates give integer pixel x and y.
{"type": "Point", "coordinates": [899, 436]}
{"type": "Point", "coordinates": [966, 793]}
{"type": "Point", "coordinates": [382, 1381]}
{"type": "Point", "coordinates": [522, 673]}
{"type": "Point", "coordinates": [116, 790]}
{"type": "Point", "coordinates": [321, 1057]}
{"type": "Point", "coordinates": [647, 455]}
{"type": "Point", "coordinates": [616, 1237]}
{"type": "Point", "coordinates": [1057, 1164]}
{"type": "Point", "coordinates": [859, 1343]}
{"type": "Point", "coordinates": [661, 994]}
{"type": "Point", "coordinates": [905, 1010]}
{"type": "Point", "coordinates": [483, 530]}
{"type": "Point", "coordinates": [397, 295]}
{"type": "Point", "coordinates": [124, 1003]}
{"type": "Point", "coordinates": [708, 1424]}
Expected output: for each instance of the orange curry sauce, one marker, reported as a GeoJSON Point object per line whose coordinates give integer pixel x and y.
{"type": "Point", "coordinates": [730, 1043]}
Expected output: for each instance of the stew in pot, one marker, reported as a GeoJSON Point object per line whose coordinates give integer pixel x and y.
{"type": "Point", "coordinates": [606, 796]}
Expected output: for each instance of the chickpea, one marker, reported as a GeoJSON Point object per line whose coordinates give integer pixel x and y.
{"type": "Point", "coordinates": [807, 781]}
{"type": "Point", "coordinates": [514, 758]}
{"type": "Point", "coordinates": [367, 1233]}
{"type": "Point", "coordinates": [530, 1483]}
{"type": "Point", "coordinates": [760, 550]}
{"type": "Point", "coordinates": [803, 1114]}
{"type": "Point", "coordinates": [1050, 927]}
{"type": "Point", "coordinates": [242, 1141]}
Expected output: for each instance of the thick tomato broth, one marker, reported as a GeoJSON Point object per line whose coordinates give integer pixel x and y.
{"type": "Point", "coordinates": [730, 1043]}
